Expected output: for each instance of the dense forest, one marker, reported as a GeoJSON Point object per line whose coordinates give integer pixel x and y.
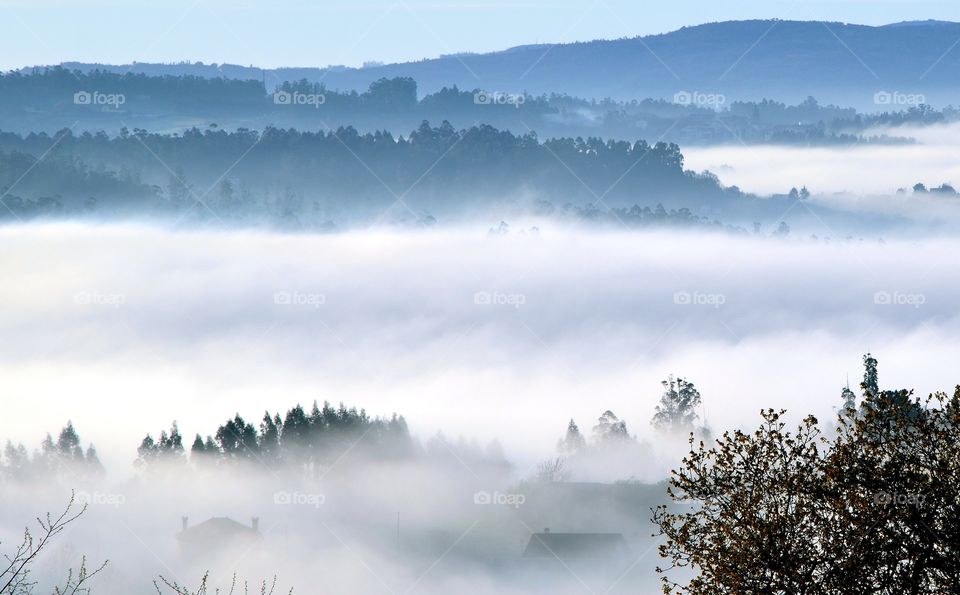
{"type": "Point", "coordinates": [310, 177]}
{"type": "Point", "coordinates": [53, 98]}
{"type": "Point", "coordinates": [310, 440]}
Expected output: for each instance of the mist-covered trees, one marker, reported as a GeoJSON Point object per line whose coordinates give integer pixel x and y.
{"type": "Point", "coordinates": [578, 456]}
{"type": "Point", "coordinates": [610, 430]}
{"type": "Point", "coordinates": [34, 187]}
{"type": "Point", "coordinates": [848, 406]}
{"type": "Point", "coordinates": [677, 411]}
{"type": "Point", "coordinates": [299, 439]}
{"type": "Point", "coordinates": [168, 447]}
{"type": "Point", "coordinates": [573, 441]}
{"type": "Point", "coordinates": [63, 460]}
{"type": "Point", "coordinates": [345, 169]}
{"type": "Point", "coordinates": [42, 97]}
{"type": "Point", "coordinates": [873, 509]}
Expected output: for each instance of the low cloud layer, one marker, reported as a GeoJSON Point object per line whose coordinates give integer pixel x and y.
{"type": "Point", "coordinates": [123, 329]}
{"type": "Point", "coordinates": [857, 169]}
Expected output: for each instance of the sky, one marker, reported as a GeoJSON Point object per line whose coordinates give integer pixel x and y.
{"type": "Point", "coordinates": [271, 33]}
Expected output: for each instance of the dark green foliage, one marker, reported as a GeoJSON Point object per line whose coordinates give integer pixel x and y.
{"type": "Point", "coordinates": [341, 168]}
{"type": "Point", "coordinates": [294, 440]}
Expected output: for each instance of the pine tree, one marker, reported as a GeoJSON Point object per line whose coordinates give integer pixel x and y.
{"type": "Point", "coordinates": [146, 452]}
{"type": "Point", "coordinates": [94, 467]}
{"type": "Point", "coordinates": [295, 437]}
{"type": "Point", "coordinates": [237, 438]}
{"type": "Point", "coordinates": [270, 429]}
{"type": "Point", "coordinates": [849, 398]}
{"type": "Point", "coordinates": [170, 446]}
{"type": "Point", "coordinates": [197, 447]}
{"type": "Point", "coordinates": [871, 381]}
{"type": "Point", "coordinates": [18, 461]}
{"type": "Point", "coordinates": [68, 445]}
{"type": "Point", "coordinates": [573, 442]}
{"type": "Point", "coordinates": [46, 459]}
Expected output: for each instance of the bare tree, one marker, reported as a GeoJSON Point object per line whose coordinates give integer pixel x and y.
{"type": "Point", "coordinates": [15, 571]}
{"type": "Point", "coordinates": [552, 471]}
{"type": "Point", "coordinates": [163, 585]}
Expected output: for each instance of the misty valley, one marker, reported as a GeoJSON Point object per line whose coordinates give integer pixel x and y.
{"type": "Point", "coordinates": [674, 312]}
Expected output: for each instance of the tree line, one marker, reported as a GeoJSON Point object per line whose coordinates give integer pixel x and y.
{"type": "Point", "coordinates": [314, 175]}
{"type": "Point", "coordinates": [49, 98]}
{"type": "Point", "coordinates": [64, 457]}
{"type": "Point", "coordinates": [307, 440]}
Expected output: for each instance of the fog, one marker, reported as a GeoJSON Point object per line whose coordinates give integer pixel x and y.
{"type": "Point", "coordinates": [191, 326]}
{"type": "Point", "coordinates": [125, 328]}
{"type": "Point", "coordinates": [872, 169]}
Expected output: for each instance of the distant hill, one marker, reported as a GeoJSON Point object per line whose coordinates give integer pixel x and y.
{"type": "Point", "coordinates": [784, 60]}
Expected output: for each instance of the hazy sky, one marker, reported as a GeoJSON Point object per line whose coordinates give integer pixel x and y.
{"type": "Point", "coordinates": [321, 32]}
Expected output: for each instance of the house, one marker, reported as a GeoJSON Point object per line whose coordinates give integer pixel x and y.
{"type": "Point", "coordinates": [216, 535]}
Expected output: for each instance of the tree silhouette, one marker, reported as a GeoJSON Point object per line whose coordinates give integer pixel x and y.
{"type": "Point", "coordinates": [573, 441]}
{"type": "Point", "coordinates": [872, 510]}
{"type": "Point", "coordinates": [677, 411]}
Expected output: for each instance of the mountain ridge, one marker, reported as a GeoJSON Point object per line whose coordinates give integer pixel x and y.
{"type": "Point", "coordinates": [751, 59]}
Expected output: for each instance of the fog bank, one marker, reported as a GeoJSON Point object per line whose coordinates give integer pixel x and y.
{"type": "Point", "coordinates": [485, 337]}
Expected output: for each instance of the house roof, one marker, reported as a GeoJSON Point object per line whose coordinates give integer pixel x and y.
{"type": "Point", "coordinates": [574, 545]}
{"type": "Point", "coordinates": [218, 528]}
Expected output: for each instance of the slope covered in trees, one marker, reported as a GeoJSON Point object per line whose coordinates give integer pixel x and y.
{"type": "Point", "coordinates": [230, 176]}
